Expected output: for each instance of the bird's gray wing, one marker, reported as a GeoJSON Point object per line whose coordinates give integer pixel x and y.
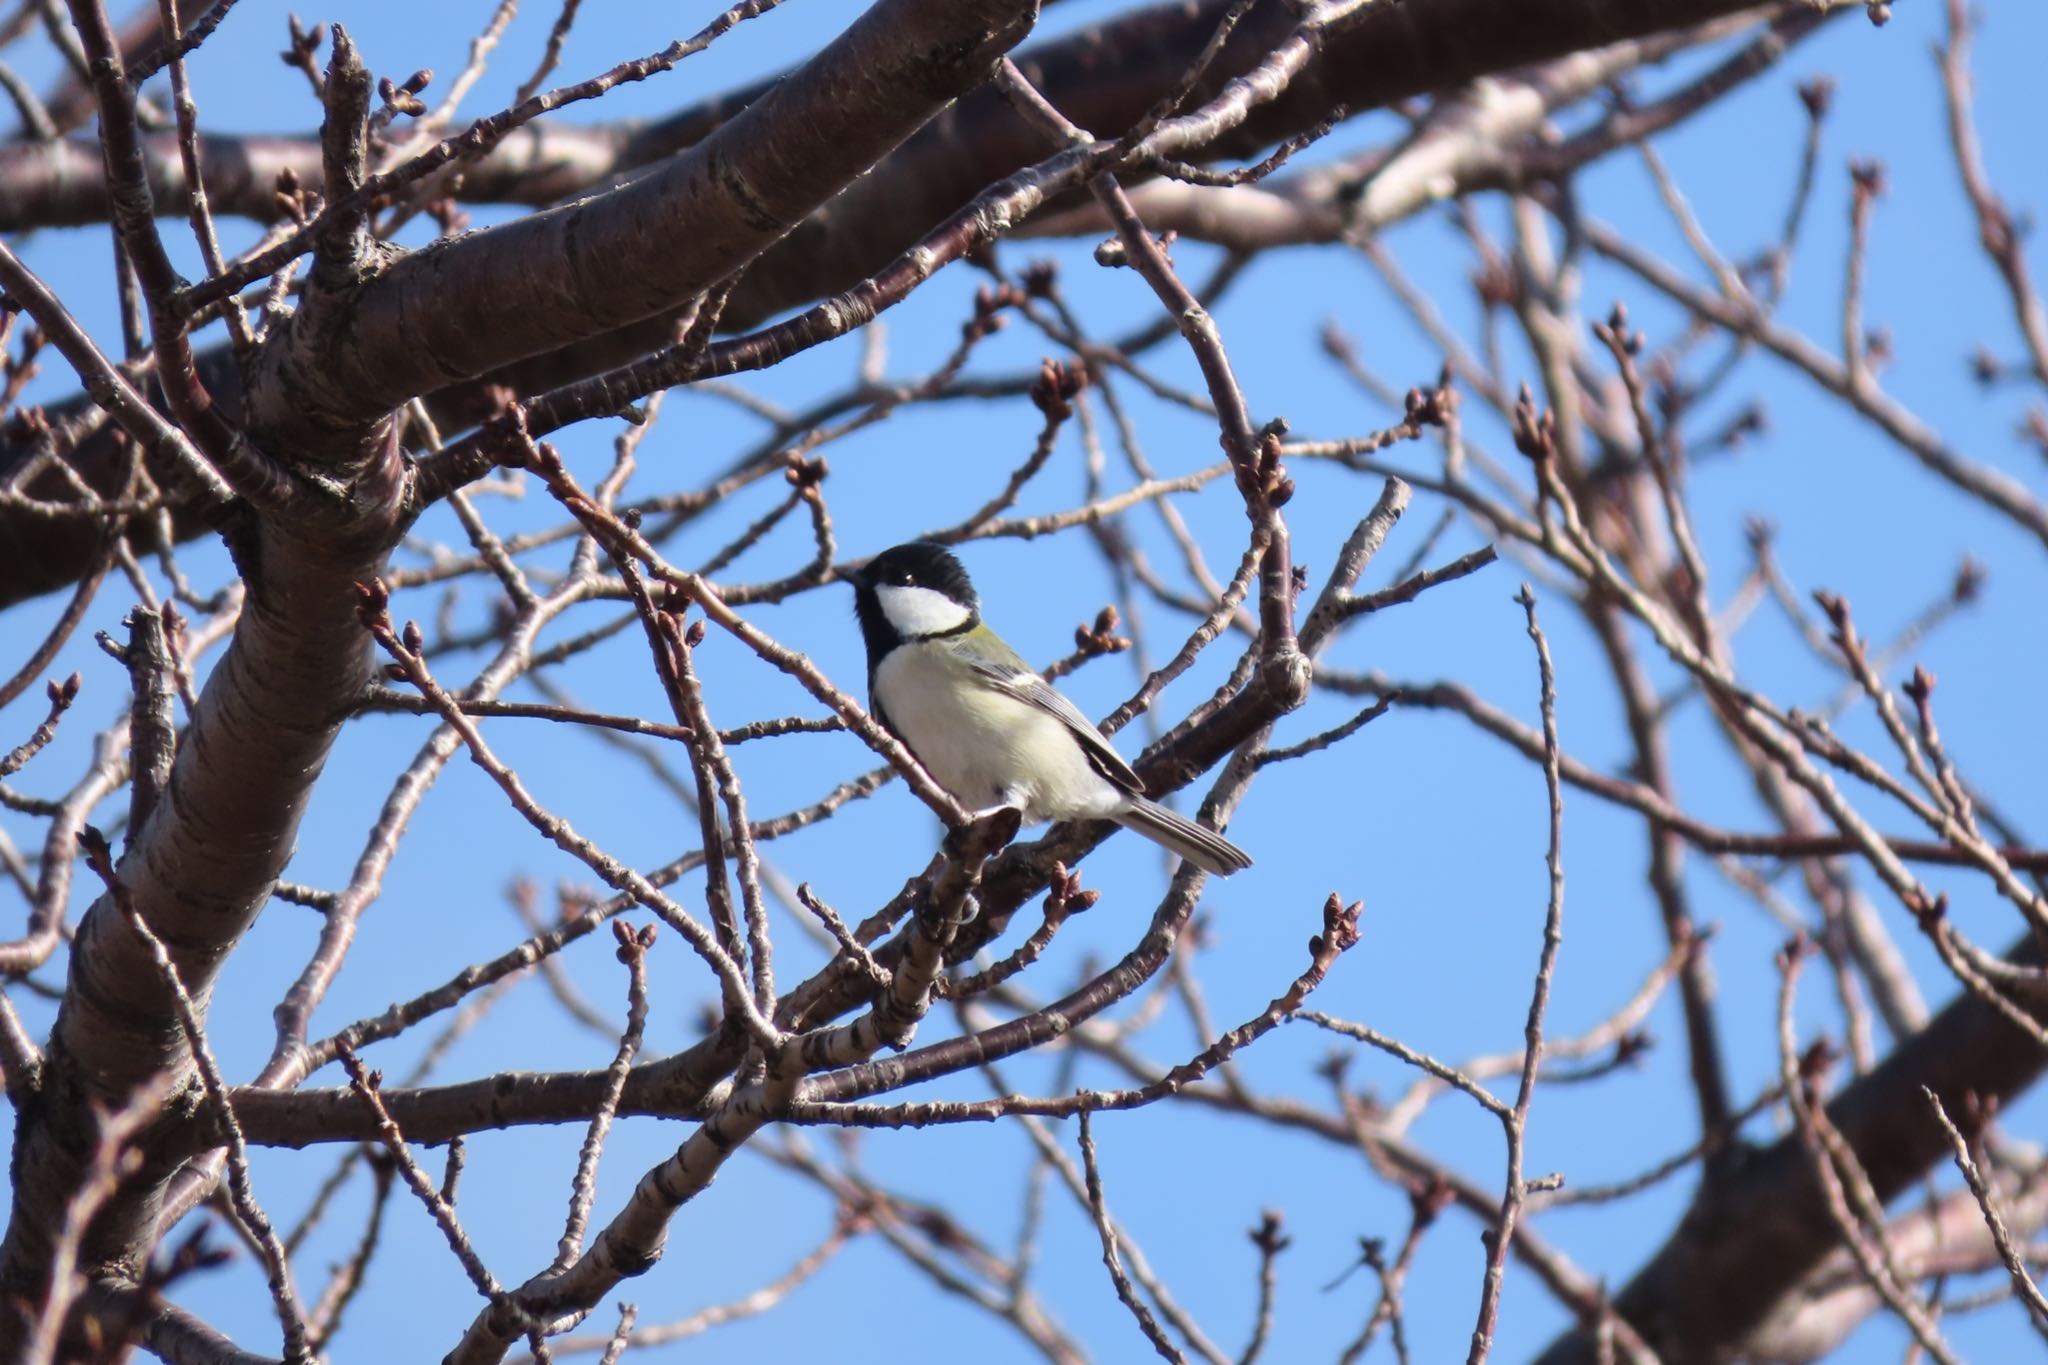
{"type": "Point", "coordinates": [1018, 680]}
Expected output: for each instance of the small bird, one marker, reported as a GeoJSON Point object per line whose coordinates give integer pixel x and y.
{"type": "Point", "coordinates": [983, 723]}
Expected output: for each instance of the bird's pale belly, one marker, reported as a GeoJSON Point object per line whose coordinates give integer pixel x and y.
{"type": "Point", "coordinates": [986, 748]}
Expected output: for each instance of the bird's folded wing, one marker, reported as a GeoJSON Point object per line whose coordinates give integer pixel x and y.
{"type": "Point", "coordinates": [1029, 687]}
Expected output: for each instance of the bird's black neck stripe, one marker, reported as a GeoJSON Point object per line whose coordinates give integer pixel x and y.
{"type": "Point", "coordinates": [973, 620]}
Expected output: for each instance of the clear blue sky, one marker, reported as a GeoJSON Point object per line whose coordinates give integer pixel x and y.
{"type": "Point", "coordinates": [1434, 826]}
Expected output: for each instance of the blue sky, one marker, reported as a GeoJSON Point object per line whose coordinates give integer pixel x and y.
{"type": "Point", "coordinates": [1436, 827]}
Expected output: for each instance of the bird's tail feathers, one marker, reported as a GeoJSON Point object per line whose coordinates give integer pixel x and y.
{"type": "Point", "coordinates": [1203, 847]}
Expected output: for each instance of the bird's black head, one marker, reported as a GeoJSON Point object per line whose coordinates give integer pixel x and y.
{"type": "Point", "coordinates": [919, 564]}
{"type": "Point", "coordinates": [913, 591]}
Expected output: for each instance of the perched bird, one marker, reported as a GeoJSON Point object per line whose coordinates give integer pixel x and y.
{"type": "Point", "coordinates": [983, 723]}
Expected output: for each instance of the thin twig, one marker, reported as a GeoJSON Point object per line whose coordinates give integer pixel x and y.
{"type": "Point", "coordinates": [633, 946]}
{"type": "Point", "coordinates": [1553, 935]}
{"type": "Point", "coordinates": [367, 1084]}
{"type": "Point", "coordinates": [1147, 1324]}
{"type": "Point", "coordinates": [2015, 1265]}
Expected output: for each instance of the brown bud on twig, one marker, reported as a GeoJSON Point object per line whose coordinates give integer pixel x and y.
{"type": "Point", "coordinates": [32, 422]}
{"type": "Point", "coordinates": [373, 600]}
{"type": "Point", "coordinates": [1272, 479]}
{"type": "Point", "coordinates": [1836, 609]}
{"type": "Point", "coordinates": [1796, 948]}
{"type": "Point", "coordinates": [1497, 285]}
{"type": "Point", "coordinates": [192, 1254]}
{"type": "Point", "coordinates": [1694, 937]}
{"type": "Point", "coordinates": [98, 855]}
{"type": "Point", "coordinates": [1101, 638]}
{"type": "Point", "coordinates": [1340, 926]}
{"type": "Point", "coordinates": [1920, 686]}
{"type": "Point", "coordinates": [1054, 389]}
{"type": "Point", "coordinates": [290, 196]}
{"type": "Point", "coordinates": [1617, 326]}
{"type": "Point", "coordinates": [1970, 576]}
{"type": "Point", "coordinates": [1817, 94]}
{"type": "Point", "coordinates": [1267, 1236]}
{"type": "Point", "coordinates": [1817, 1061]}
{"type": "Point", "coordinates": [989, 304]}
{"type": "Point", "coordinates": [305, 42]}
{"type": "Point", "coordinates": [1430, 1199]}
{"type": "Point", "coordinates": [1070, 882]}
{"type": "Point", "coordinates": [1631, 1045]}
{"type": "Point", "coordinates": [1432, 407]}
{"type": "Point", "coordinates": [1064, 895]}
{"type": "Point", "coordinates": [1976, 1113]}
{"type": "Point", "coordinates": [1928, 910]}
{"type": "Point", "coordinates": [1663, 374]}
{"type": "Point", "coordinates": [1535, 433]}
{"type": "Point", "coordinates": [1753, 420]}
{"type": "Point", "coordinates": [622, 932]}
{"type": "Point", "coordinates": [1335, 344]}
{"type": "Point", "coordinates": [1039, 278]}
{"type": "Point", "coordinates": [990, 300]}
{"type": "Point", "coordinates": [403, 99]}
{"type": "Point", "coordinates": [805, 473]}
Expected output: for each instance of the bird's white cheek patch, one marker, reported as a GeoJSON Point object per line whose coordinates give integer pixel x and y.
{"type": "Point", "coordinates": [917, 612]}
